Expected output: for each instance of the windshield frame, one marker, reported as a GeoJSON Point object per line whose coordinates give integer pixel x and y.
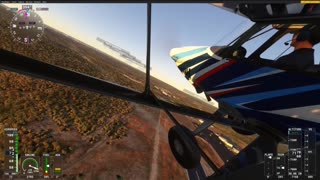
{"type": "Point", "coordinates": [244, 37]}
{"type": "Point", "coordinates": [255, 59]}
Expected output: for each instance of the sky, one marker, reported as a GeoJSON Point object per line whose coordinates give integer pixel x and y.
{"type": "Point", "coordinates": [125, 25]}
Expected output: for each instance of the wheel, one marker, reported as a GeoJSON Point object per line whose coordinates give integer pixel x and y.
{"type": "Point", "coordinates": [243, 132]}
{"type": "Point", "coordinates": [184, 147]}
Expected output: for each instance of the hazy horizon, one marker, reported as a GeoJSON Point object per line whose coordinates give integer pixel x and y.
{"type": "Point", "coordinates": [127, 28]}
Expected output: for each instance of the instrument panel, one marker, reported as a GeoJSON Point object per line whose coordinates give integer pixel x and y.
{"type": "Point", "coordinates": [28, 166]}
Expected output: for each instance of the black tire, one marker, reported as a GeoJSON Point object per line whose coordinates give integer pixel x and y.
{"type": "Point", "coordinates": [243, 132]}
{"type": "Point", "coordinates": [184, 147]}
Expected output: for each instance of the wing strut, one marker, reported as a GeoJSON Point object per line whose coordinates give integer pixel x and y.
{"type": "Point", "coordinates": [148, 93]}
{"type": "Point", "coordinates": [202, 127]}
{"type": "Point", "coordinates": [147, 85]}
{"type": "Point", "coordinates": [203, 154]}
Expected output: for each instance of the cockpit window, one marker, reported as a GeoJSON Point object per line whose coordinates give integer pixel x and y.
{"type": "Point", "coordinates": [316, 54]}
{"type": "Point", "coordinates": [100, 40]}
{"type": "Point", "coordinates": [258, 39]}
{"type": "Point", "coordinates": [279, 48]}
{"type": "Point", "coordinates": [288, 54]}
{"type": "Point", "coordinates": [282, 47]}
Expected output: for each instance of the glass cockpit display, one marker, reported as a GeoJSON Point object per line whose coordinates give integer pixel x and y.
{"type": "Point", "coordinates": [28, 166]}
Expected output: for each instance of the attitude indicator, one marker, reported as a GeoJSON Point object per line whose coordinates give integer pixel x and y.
{"type": "Point", "coordinates": [27, 26]}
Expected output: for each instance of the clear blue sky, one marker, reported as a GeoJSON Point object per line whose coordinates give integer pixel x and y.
{"type": "Point", "coordinates": [173, 25]}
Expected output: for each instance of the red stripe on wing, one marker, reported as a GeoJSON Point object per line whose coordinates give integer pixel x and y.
{"type": "Point", "coordinates": [214, 95]}
{"type": "Point", "coordinates": [213, 71]}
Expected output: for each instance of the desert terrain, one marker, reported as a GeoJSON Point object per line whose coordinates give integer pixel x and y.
{"type": "Point", "coordinates": [99, 137]}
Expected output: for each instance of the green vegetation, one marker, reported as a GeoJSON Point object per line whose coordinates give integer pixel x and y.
{"type": "Point", "coordinates": [39, 142]}
{"type": "Point", "coordinates": [25, 100]}
{"type": "Point", "coordinates": [116, 129]}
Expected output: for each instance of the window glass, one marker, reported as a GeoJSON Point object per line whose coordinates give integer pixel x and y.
{"type": "Point", "coordinates": [278, 48]}
{"type": "Point", "coordinates": [316, 53]}
{"type": "Point", "coordinates": [257, 40]}
{"type": "Point", "coordinates": [185, 25]}
{"type": "Point", "coordinates": [107, 41]}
